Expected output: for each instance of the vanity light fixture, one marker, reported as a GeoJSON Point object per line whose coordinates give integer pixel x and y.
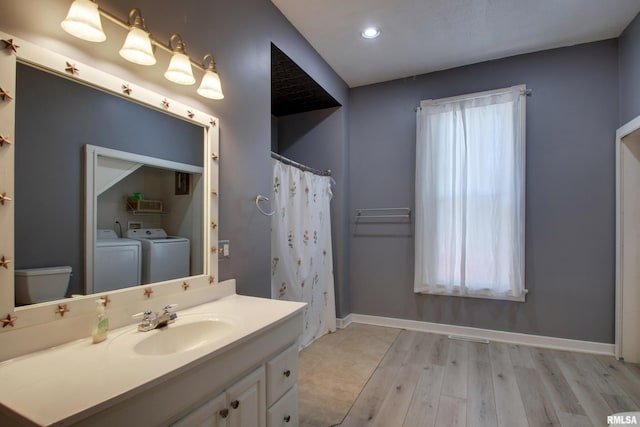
{"type": "Point", "coordinates": [137, 46]}
{"type": "Point", "coordinates": [83, 21]}
{"type": "Point", "coordinates": [370, 33]}
{"type": "Point", "coordinates": [179, 70]}
{"type": "Point", "coordinates": [210, 87]}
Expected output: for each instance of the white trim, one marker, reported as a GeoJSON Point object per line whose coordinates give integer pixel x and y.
{"type": "Point", "coordinates": [146, 160]}
{"type": "Point", "coordinates": [344, 322]}
{"type": "Point", "coordinates": [487, 334]}
{"type": "Point", "coordinates": [624, 131]}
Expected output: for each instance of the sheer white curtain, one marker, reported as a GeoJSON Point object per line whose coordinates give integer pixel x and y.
{"type": "Point", "coordinates": [302, 262]}
{"type": "Point", "coordinates": [470, 159]}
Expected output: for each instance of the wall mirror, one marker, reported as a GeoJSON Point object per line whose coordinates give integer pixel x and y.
{"type": "Point", "coordinates": [86, 152]}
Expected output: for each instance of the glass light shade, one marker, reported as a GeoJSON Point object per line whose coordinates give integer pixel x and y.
{"type": "Point", "coordinates": [179, 70]}
{"type": "Point", "coordinates": [83, 21]}
{"type": "Point", "coordinates": [137, 47]}
{"type": "Point", "coordinates": [211, 87]}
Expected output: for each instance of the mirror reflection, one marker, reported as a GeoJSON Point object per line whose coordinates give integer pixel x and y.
{"type": "Point", "coordinates": [56, 119]}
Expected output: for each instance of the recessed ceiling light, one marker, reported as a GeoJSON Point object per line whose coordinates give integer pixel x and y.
{"type": "Point", "coordinates": [371, 33]}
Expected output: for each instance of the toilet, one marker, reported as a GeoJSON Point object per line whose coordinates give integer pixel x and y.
{"type": "Point", "coordinates": [36, 285]}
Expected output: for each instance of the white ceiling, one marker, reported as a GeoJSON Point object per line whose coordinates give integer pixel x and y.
{"type": "Point", "coordinates": [421, 36]}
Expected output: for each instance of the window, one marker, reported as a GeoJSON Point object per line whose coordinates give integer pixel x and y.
{"type": "Point", "coordinates": [470, 161]}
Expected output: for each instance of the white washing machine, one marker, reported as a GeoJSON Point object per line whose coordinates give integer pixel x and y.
{"type": "Point", "coordinates": [164, 257]}
{"type": "Point", "coordinates": [118, 262]}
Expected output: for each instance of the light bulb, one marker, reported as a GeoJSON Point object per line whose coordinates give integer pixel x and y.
{"type": "Point", "coordinates": [371, 33]}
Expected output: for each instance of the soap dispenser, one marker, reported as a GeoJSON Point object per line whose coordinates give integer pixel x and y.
{"type": "Point", "coordinates": [101, 328]}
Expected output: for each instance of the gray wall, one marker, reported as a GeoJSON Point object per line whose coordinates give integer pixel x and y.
{"type": "Point", "coordinates": [317, 139]}
{"type": "Point", "coordinates": [570, 224]}
{"type": "Point", "coordinates": [239, 34]}
{"type": "Point", "coordinates": [629, 69]}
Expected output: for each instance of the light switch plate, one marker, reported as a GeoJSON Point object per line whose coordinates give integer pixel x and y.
{"type": "Point", "coordinates": [223, 249]}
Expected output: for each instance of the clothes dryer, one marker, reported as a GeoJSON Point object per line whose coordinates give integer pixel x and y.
{"type": "Point", "coordinates": [164, 257]}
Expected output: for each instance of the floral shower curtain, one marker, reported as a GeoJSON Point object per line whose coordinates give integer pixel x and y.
{"type": "Point", "coordinates": [302, 263]}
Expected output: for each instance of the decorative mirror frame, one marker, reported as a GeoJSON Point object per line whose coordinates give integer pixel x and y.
{"type": "Point", "coordinates": [13, 50]}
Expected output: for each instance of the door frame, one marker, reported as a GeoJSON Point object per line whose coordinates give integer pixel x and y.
{"type": "Point", "coordinates": [622, 132]}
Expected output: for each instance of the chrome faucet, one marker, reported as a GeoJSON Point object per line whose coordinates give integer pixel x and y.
{"type": "Point", "coordinates": [167, 316]}
{"type": "Point", "coordinates": [151, 320]}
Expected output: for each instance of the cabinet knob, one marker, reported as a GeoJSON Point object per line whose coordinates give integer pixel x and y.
{"type": "Point", "coordinates": [287, 373]}
{"type": "Point", "coordinates": [224, 413]}
{"type": "Point", "coordinates": [287, 418]}
{"type": "Point", "coordinates": [235, 404]}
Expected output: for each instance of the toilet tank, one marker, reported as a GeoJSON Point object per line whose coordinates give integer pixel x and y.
{"type": "Point", "coordinates": [34, 285]}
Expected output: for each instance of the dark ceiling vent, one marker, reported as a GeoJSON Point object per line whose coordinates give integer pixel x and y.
{"type": "Point", "coordinates": [292, 90]}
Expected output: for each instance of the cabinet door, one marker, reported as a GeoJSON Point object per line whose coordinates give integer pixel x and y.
{"type": "Point", "coordinates": [247, 402]}
{"type": "Point", "coordinates": [213, 413]}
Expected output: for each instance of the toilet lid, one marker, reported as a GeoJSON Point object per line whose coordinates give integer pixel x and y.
{"type": "Point", "coordinates": [43, 270]}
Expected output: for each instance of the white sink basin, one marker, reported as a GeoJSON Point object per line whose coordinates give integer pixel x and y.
{"type": "Point", "coordinates": [180, 337]}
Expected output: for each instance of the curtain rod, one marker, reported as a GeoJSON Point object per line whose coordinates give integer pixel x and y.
{"type": "Point", "coordinates": [300, 165]}
{"type": "Point", "coordinates": [523, 92]}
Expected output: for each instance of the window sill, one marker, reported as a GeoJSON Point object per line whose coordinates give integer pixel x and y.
{"type": "Point", "coordinates": [479, 294]}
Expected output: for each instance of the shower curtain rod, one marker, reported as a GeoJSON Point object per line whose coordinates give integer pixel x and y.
{"type": "Point", "coordinates": [300, 165]}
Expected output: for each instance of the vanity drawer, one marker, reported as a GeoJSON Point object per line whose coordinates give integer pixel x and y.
{"type": "Point", "coordinates": [282, 373]}
{"type": "Point", "coordinates": [285, 412]}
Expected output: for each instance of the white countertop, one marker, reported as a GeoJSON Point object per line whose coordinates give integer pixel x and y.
{"type": "Point", "coordinates": [69, 380]}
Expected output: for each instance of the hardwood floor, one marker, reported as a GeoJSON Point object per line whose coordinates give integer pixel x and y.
{"type": "Point", "coordinates": [430, 380]}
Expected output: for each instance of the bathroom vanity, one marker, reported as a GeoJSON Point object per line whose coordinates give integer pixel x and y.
{"type": "Point", "coordinates": [229, 362]}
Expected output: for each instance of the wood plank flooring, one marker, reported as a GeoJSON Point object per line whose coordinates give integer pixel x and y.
{"type": "Point", "coordinates": [429, 380]}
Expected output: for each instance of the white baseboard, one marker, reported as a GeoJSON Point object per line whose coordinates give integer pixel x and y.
{"type": "Point", "coordinates": [482, 334]}
{"type": "Point", "coordinates": [344, 322]}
